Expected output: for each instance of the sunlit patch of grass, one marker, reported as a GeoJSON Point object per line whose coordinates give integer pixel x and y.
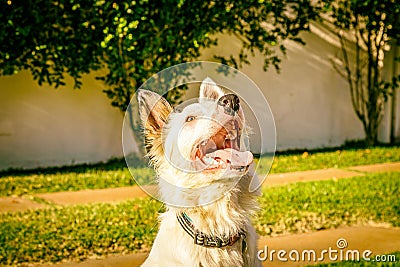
{"type": "Point", "coordinates": [303, 207]}
{"type": "Point", "coordinates": [77, 232]}
{"type": "Point", "coordinates": [334, 159]}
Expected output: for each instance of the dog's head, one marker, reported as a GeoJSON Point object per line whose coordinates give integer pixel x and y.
{"type": "Point", "coordinates": [199, 144]}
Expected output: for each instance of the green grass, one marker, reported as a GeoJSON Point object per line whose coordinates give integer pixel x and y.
{"type": "Point", "coordinates": [311, 206]}
{"type": "Point", "coordinates": [64, 181]}
{"type": "Point", "coordinates": [115, 174]}
{"type": "Point", "coordinates": [332, 159]}
{"type": "Point", "coordinates": [363, 263]}
{"type": "Point", "coordinates": [78, 232]}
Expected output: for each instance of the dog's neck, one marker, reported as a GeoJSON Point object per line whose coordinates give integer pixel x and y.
{"type": "Point", "coordinates": [179, 196]}
{"type": "Point", "coordinates": [224, 216]}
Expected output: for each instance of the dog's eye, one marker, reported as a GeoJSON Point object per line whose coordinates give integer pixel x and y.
{"type": "Point", "coordinates": [190, 118]}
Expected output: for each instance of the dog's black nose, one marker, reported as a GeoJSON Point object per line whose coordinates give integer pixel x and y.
{"type": "Point", "coordinates": [230, 102]}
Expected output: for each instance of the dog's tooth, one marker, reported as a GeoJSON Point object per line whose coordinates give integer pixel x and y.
{"type": "Point", "coordinates": [208, 160]}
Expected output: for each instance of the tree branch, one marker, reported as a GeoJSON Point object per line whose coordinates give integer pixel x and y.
{"type": "Point", "coordinates": [349, 75]}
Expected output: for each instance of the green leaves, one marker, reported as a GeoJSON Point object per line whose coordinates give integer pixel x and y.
{"type": "Point", "coordinates": [136, 39]}
{"type": "Point", "coordinates": [50, 39]}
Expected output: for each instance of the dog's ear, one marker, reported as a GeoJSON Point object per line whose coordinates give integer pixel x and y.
{"type": "Point", "coordinates": [154, 111]}
{"type": "Point", "coordinates": [210, 90]}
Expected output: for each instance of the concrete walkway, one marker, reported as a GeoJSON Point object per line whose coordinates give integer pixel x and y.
{"type": "Point", "coordinates": [15, 204]}
{"type": "Point", "coordinates": [378, 240]}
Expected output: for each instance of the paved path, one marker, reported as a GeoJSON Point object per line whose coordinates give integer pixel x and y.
{"type": "Point", "coordinates": [10, 204]}
{"type": "Point", "coordinates": [379, 240]}
{"type": "Point", "coordinates": [307, 176]}
{"type": "Point", "coordinates": [15, 204]}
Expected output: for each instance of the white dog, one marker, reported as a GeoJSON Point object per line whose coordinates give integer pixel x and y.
{"type": "Point", "coordinates": [204, 180]}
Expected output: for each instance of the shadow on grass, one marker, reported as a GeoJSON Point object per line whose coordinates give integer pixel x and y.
{"type": "Point", "coordinates": [110, 165]}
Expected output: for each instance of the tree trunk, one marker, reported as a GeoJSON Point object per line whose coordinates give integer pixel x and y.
{"type": "Point", "coordinates": [371, 133]}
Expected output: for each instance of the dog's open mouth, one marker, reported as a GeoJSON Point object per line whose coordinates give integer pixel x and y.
{"type": "Point", "coordinates": [222, 150]}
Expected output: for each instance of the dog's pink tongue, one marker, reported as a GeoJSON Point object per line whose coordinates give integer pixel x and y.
{"type": "Point", "coordinates": [237, 158]}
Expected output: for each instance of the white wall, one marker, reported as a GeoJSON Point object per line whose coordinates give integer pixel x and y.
{"type": "Point", "coordinates": [310, 101]}
{"type": "Point", "coordinates": [42, 126]}
{"type": "Point", "coordinates": [392, 69]}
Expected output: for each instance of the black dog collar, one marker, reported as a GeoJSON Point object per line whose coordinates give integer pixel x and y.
{"type": "Point", "coordinates": [205, 240]}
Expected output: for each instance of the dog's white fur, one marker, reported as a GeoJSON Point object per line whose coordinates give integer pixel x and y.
{"type": "Point", "coordinates": [218, 202]}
